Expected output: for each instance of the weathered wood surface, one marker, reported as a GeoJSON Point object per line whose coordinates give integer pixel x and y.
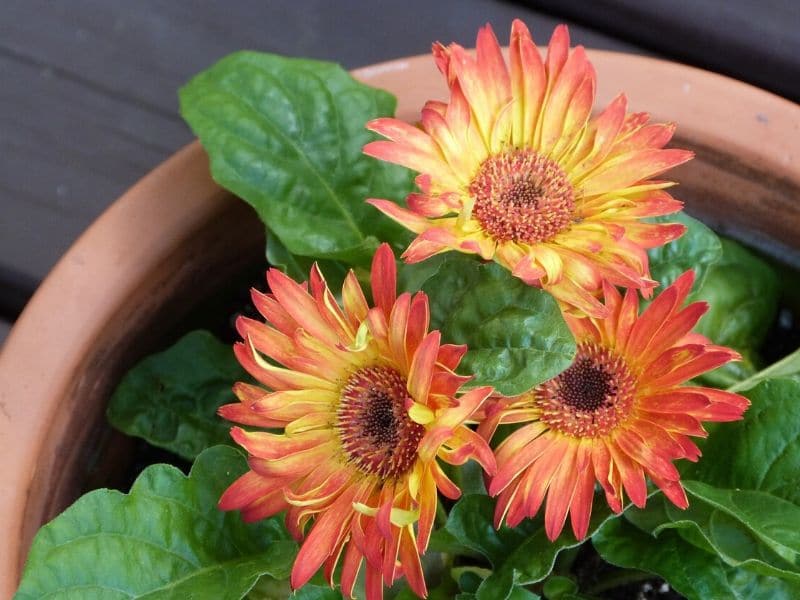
{"type": "Point", "coordinates": [88, 99]}
{"type": "Point", "coordinates": [755, 41]}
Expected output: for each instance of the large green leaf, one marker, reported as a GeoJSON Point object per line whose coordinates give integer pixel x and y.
{"type": "Point", "coordinates": [171, 398]}
{"type": "Point", "coordinates": [165, 539]}
{"type": "Point", "coordinates": [746, 528]}
{"type": "Point", "coordinates": [695, 573]}
{"type": "Point", "coordinates": [519, 556]}
{"type": "Point", "coordinates": [761, 452]}
{"type": "Point", "coordinates": [515, 333]}
{"type": "Point", "coordinates": [742, 292]}
{"type": "Point", "coordinates": [699, 248]}
{"type": "Point", "coordinates": [269, 588]}
{"type": "Point", "coordinates": [299, 267]}
{"type": "Point", "coordinates": [750, 529]}
{"type": "Point", "coordinates": [470, 522]}
{"type": "Point", "coordinates": [316, 592]}
{"type": "Point", "coordinates": [516, 592]}
{"type": "Point", "coordinates": [286, 136]}
{"type": "Point", "coordinates": [744, 506]}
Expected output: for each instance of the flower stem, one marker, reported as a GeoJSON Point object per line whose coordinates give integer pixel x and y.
{"type": "Point", "coordinates": [785, 366]}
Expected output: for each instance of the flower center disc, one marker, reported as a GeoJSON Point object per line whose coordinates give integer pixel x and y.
{"type": "Point", "coordinates": [522, 196]}
{"type": "Point", "coordinates": [376, 432]}
{"type": "Point", "coordinates": [591, 397]}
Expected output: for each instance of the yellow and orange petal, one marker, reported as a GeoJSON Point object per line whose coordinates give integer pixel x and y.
{"type": "Point", "coordinates": [369, 407]}
{"type": "Point", "coordinates": [514, 168]}
{"type": "Point", "coordinates": [618, 414]}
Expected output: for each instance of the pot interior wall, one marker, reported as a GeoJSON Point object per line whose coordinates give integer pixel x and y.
{"type": "Point", "coordinates": [201, 265]}
{"type": "Point", "coordinates": [738, 200]}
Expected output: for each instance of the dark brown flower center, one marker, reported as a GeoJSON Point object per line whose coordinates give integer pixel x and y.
{"type": "Point", "coordinates": [376, 432]}
{"type": "Point", "coordinates": [586, 385]}
{"type": "Point", "coordinates": [522, 196]}
{"type": "Point", "coordinates": [591, 397]}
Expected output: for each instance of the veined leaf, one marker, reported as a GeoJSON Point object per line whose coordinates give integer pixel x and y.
{"type": "Point", "coordinates": [745, 528]}
{"type": "Point", "coordinates": [171, 398]}
{"type": "Point", "coordinates": [316, 592]}
{"type": "Point", "coordinates": [699, 248]}
{"type": "Point", "coordinates": [299, 267]}
{"type": "Point", "coordinates": [695, 573]}
{"type": "Point", "coordinates": [742, 293]}
{"type": "Point", "coordinates": [165, 539]}
{"type": "Point", "coordinates": [286, 135]}
{"type": "Point", "coordinates": [761, 452]}
{"type": "Point", "coordinates": [515, 333]}
{"type": "Point", "coordinates": [744, 505]}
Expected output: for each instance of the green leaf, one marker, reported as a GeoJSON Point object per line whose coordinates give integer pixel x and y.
{"type": "Point", "coordinates": [412, 277]}
{"type": "Point", "coordinates": [269, 588]}
{"type": "Point", "coordinates": [316, 592]}
{"type": "Point", "coordinates": [556, 587]}
{"type": "Point", "coordinates": [520, 556]}
{"type": "Point", "coordinates": [171, 398]}
{"type": "Point", "coordinates": [516, 592]}
{"type": "Point", "coordinates": [515, 333]}
{"type": "Point", "coordinates": [469, 477]}
{"type": "Point", "coordinates": [742, 292]}
{"type": "Point", "coordinates": [469, 577]}
{"type": "Point", "coordinates": [761, 452]}
{"type": "Point", "coordinates": [746, 528]}
{"type": "Point", "coordinates": [299, 267]}
{"type": "Point", "coordinates": [165, 539]}
{"type": "Point", "coordinates": [744, 501]}
{"type": "Point", "coordinates": [520, 593]}
{"type": "Point", "coordinates": [695, 573]}
{"type": "Point", "coordinates": [286, 135]}
{"type": "Point", "coordinates": [445, 542]}
{"type": "Point", "coordinates": [699, 248]}
{"type": "Point", "coordinates": [470, 522]}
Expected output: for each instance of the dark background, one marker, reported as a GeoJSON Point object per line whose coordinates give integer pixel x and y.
{"type": "Point", "coordinates": [88, 99]}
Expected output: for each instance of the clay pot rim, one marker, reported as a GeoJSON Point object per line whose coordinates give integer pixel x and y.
{"type": "Point", "coordinates": [76, 301]}
{"type": "Point", "coordinates": [668, 91]}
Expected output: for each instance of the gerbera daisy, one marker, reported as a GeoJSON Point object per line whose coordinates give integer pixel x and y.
{"type": "Point", "coordinates": [366, 398]}
{"type": "Point", "coordinates": [513, 169]}
{"type": "Point", "coordinates": [617, 414]}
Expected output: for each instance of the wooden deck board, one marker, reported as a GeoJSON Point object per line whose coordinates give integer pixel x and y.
{"type": "Point", "coordinates": [757, 42]}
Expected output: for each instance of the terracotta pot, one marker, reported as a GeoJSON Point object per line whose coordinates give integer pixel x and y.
{"type": "Point", "coordinates": [175, 236]}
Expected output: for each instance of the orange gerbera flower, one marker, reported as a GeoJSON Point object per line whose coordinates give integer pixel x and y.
{"type": "Point", "coordinates": [366, 398]}
{"type": "Point", "coordinates": [617, 414]}
{"type": "Point", "coordinates": [513, 169]}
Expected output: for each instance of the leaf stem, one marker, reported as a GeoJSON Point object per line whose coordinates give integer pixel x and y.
{"type": "Point", "coordinates": [776, 367]}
